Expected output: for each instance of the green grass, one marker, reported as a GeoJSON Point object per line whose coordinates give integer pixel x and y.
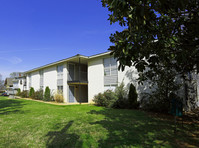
{"type": "Point", "coordinates": [26, 123]}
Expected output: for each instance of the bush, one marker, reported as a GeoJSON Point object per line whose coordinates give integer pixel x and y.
{"type": "Point", "coordinates": [59, 97]}
{"type": "Point", "coordinates": [132, 97]}
{"type": "Point", "coordinates": [18, 92]}
{"type": "Point", "coordinates": [38, 95]}
{"type": "Point", "coordinates": [107, 99]}
{"type": "Point", "coordinates": [24, 94]}
{"type": "Point", "coordinates": [31, 93]}
{"type": "Point", "coordinates": [47, 95]}
{"type": "Point", "coordinates": [155, 102]}
{"type": "Point", "coordinates": [121, 94]}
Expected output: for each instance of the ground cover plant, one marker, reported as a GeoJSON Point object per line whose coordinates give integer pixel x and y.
{"type": "Point", "coordinates": [28, 123]}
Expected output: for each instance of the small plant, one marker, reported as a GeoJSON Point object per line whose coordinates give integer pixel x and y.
{"type": "Point", "coordinates": [18, 92]}
{"type": "Point", "coordinates": [47, 96]}
{"type": "Point", "coordinates": [106, 99]}
{"type": "Point", "coordinates": [59, 97]}
{"type": "Point", "coordinates": [24, 94]}
{"type": "Point", "coordinates": [132, 97]}
{"type": "Point", "coordinates": [121, 93]}
{"type": "Point", "coordinates": [38, 95]}
{"type": "Point", "coordinates": [31, 93]}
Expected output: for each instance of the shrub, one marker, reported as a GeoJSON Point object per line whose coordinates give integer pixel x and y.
{"type": "Point", "coordinates": [107, 99]}
{"type": "Point", "coordinates": [31, 93]}
{"type": "Point", "coordinates": [38, 95]}
{"type": "Point", "coordinates": [24, 94]}
{"type": "Point", "coordinates": [59, 97]}
{"type": "Point", "coordinates": [18, 92]}
{"type": "Point", "coordinates": [155, 102]}
{"type": "Point", "coordinates": [132, 97]}
{"type": "Point", "coordinates": [47, 95]}
{"type": "Point", "coordinates": [121, 94]}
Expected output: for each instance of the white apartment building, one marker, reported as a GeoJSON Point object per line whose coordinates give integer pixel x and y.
{"type": "Point", "coordinates": [81, 77]}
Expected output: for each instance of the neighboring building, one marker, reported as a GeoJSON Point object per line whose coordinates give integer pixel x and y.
{"type": "Point", "coordinates": [9, 86]}
{"type": "Point", "coordinates": [19, 81]}
{"type": "Point", "coordinates": [80, 77]}
{"type": "Point", "coordinates": [8, 83]}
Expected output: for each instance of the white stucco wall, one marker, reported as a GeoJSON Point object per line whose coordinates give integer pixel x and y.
{"type": "Point", "coordinates": [95, 77]}
{"type": "Point", "coordinates": [50, 78]}
{"type": "Point", "coordinates": [35, 77]}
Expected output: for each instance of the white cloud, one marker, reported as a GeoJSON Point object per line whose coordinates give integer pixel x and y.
{"type": "Point", "coordinates": [12, 60]}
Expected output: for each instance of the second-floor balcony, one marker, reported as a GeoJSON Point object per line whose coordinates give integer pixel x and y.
{"type": "Point", "coordinates": [77, 74]}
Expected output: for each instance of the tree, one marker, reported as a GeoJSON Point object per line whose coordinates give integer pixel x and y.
{"type": "Point", "coordinates": [161, 38]}
{"type": "Point", "coordinates": [165, 31]}
{"type": "Point", "coordinates": [132, 97]}
{"type": "Point", "coordinates": [47, 96]}
{"type": "Point", "coordinates": [31, 93]}
{"type": "Point", "coordinates": [2, 87]}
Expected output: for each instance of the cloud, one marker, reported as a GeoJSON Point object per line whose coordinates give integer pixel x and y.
{"type": "Point", "coordinates": [12, 60]}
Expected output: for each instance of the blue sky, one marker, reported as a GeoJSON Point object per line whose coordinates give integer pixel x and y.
{"type": "Point", "coordinates": [37, 32]}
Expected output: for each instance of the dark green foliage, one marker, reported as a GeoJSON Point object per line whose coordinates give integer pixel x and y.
{"type": "Point", "coordinates": [116, 99]}
{"type": "Point", "coordinates": [18, 92]}
{"type": "Point", "coordinates": [159, 38]}
{"type": "Point", "coordinates": [121, 93]}
{"type": "Point", "coordinates": [106, 99]}
{"type": "Point", "coordinates": [24, 94]}
{"type": "Point", "coordinates": [31, 93]}
{"type": "Point", "coordinates": [38, 95]}
{"type": "Point", "coordinates": [47, 96]}
{"type": "Point", "coordinates": [155, 103]}
{"type": "Point", "coordinates": [132, 97]}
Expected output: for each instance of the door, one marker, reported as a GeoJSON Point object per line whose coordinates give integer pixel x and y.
{"type": "Point", "coordinates": [71, 72]}
{"type": "Point", "coordinates": [71, 94]}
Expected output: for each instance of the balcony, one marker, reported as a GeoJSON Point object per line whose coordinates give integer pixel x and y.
{"type": "Point", "coordinates": [77, 75]}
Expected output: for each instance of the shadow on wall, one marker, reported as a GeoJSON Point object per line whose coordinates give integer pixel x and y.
{"type": "Point", "coordinates": [142, 89]}
{"type": "Point", "coordinates": [9, 106]}
{"type": "Point", "coordinates": [63, 138]}
{"type": "Point", "coordinates": [133, 128]}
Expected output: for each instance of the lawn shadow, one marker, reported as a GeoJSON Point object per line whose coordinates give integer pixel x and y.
{"type": "Point", "coordinates": [62, 138]}
{"type": "Point", "coordinates": [131, 128]}
{"type": "Point", "coordinates": [9, 106]}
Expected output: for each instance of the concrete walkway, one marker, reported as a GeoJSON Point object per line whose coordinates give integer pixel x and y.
{"type": "Point", "coordinates": [54, 103]}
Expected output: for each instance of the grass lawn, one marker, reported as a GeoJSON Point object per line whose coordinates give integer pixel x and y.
{"type": "Point", "coordinates": [26, 123]}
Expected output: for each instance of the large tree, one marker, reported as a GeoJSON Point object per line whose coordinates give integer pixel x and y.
{"type": "Point", "coordinates": [156, 31]}
{"type": "Point", "coordinates": [160, 35]}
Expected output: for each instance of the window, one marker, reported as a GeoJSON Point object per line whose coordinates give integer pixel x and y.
{"type": "Point", "coordinates": [110, 87]}
{"type": "Point", "coordinates": [30, 81]}
{"type": "Point", "coordinates": [60, 89]}
{"type": "Point", "coordinates": [60, 75]}
{"type": "Point", "coordinates": [110, 73]}
{"type": "Point", "coordinates": [110, 66]}
{"type": "Point", "coordinates": [41, 73]}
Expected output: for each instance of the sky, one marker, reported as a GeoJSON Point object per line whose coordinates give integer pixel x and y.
{"type": "Point", "coordinates": [37, 32]}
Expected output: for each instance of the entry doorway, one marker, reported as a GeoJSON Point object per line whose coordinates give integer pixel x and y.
{"type": "Point", "coordinates": [71, 94]}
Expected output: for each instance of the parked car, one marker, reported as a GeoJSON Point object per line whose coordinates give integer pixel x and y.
{"type": "Point", "coordinates": [4, 94]}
